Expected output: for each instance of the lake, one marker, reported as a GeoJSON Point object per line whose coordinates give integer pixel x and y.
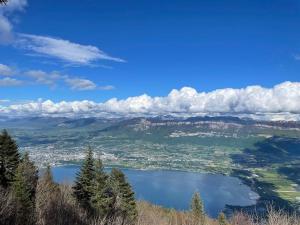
{"type": "Point", "coordinates": [174, 189]}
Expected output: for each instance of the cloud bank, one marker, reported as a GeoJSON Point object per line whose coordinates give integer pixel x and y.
{"type": "Point", "coordinates": [283, 99]}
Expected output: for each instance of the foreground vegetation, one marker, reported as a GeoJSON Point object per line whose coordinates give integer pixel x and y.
{"type": "Point", "coordinates": [97, 198]}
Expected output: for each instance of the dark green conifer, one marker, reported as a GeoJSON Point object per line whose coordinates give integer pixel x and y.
{"type": "Point", "coordinates": [9, 159]}
{"type": "Point", "coordinates": [24, 189]}
{"type": "Point", "coordinates": [100, 199]}
{"type": "Point", "coordinates": [197, 209]}
{"type": "Point", "coordinates": [83, 188]}
{"type": "Point", "coordinates": [30, 174]}
{"type": "Point", "coordinates": [124, 202]}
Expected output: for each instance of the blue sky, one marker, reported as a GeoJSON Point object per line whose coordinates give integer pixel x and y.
{"type": "Point", "coordinates": [150, 47]}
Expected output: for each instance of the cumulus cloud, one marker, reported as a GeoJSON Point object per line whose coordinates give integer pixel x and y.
{"type": "Point", "coordinates": [5, 70]}
{"type": "Point", "coordinates": [6, 13]}
{"type": "Point", "coordinates": [63, 49]}
{"type": "Point", "coordinates": [45, 108]}
{"type": "Point", "coordinates": [282, 99]}
{"type": "Point", "coordinates": [9, 82]}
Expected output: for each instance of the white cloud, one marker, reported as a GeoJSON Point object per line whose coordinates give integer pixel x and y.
{"type": "Point", "coordinates": [53, 78]}
{"type": "Point", "coordinates": [8, 82]}
{"type": "Point", "coordinates": [42, 77]}
{"type": "Point", "coordinates": [62, 49]}
{"type": "Point", "coordinates": [4, 100]}
{"type": "Point", "coordinates": [106, 88]}
{"type": "Point", "coordinates": [80, 84]}
{"type": "Point", "coordinates": [5, 30]}
{"type": "Point", "coordinates": [49, 108]}
{"type": "Point", "coordinates": [5, 70]}
{"type": "Point", "coordinates": [6, 13]}
{"type": "Point", "coordinates": [67, 51]}
{"type": "Point", "coordinates": [283, 99]}
{"type": "Point", "coordinates": [13, 5]}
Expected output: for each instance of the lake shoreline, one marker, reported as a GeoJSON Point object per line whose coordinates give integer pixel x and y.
{"type": "Point", "coordinates": [160, 186]}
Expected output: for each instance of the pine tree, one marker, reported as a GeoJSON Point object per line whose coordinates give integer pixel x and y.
{"type": "Point", "coordinates": [9, 159]}
{"type": "Point", "coordinates": [197, 209]}
{"type": "Point", "coordinates": [24, 188]}
{"type": "Point", "coordinates": [83, 188]}
{"type": "Point", "coordinates": [22, 195]}
{"type": "Point", "coordinates": [100, 199]}
{"type": "Point", "coordinates": [124, 203]}
{"type": "Point", "coordinates": [30, 174]}
{"type": "Point", "coordinates": [222, 219]}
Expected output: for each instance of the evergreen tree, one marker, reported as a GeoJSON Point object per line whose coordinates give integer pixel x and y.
{"type": "Point", "coordinates": [83, 188]}
{"type": "Point", "coordinates": [124, 201]}
{"type": "Point", "coordinates": [100, 197]}
{"type": "Point", "coordinates": [24, 187]}
{"type": "Point", "coordinates": [9, 159]}
{"type": "Point", "coordinates": [22, 195]}
{"type": "Point", "coordinates": [197, 209]}
{"type": "Point", "coordinates": [222, 219]}
{"type": "Point", "coordinates": [30, 174]}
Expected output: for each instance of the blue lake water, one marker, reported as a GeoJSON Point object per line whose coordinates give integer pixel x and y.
{"type": "Point", "coordinates": [174, 189]}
